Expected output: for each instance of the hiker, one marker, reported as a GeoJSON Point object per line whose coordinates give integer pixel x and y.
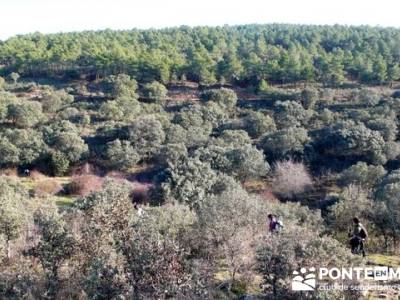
{"type": "Point", "coordinates": [139, 209]}
{"type": "Point", "coordinates": [358, 237]}
{"type": "Point", "coordinates": [274, 225]}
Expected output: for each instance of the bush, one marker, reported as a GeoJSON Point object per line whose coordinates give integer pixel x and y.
{"type": "Point", "coordinates": [257, 123]}
{"type": "Point", "coordinates": [141, 191]}
{"type": "Point", "coordinates": [353, 201]}
{"type": "Point", "coordinates": [25, 113]}
{"type": "Point", "coordinates": [247, 162]}
{"type": "Point", "coordinates": [290, 179]}
{"type": "Point", "coordinates": [224, 97]}
{"type": "Point", "coordinates": [37, 175]}
{"type": "Point", "coordinates": [293, 248]}
{"type": "Point", "coordinates": [350, 139]}
{"type": "Point", "coordinates": [233, 138]}
{"type": "Point", "coordinates": [309, 97]}
{"type": "Point", "coordinates": [155, 91]}
{"type": "Point", "coordinates": [48, 187]}
{"type": "Point", "coordinates": [120, 85]}
{"type": "Point", "coordinates": [285, 143]}
{"type": "Point", "coordinates": [228, 224]}
{"type": "Point", "coordinates": [146, 134]}
{"type": "Point", "coordinates": [291, 114]}
{"type": "Point", "coordinates": [59, 163]}
{"type": "Point", "coordinates": [14, 77]}
{"type": "Point", "coordinates": [396, 94]}
{"type": "Point", "coordinates": [363, 174]}
{"type": "Point", "coordinates": [2, 82]}
{"type": "Point", "coordinates": [9, 153]}
{"type": "Point", "coordinates": [85, 184]}
{"type": "Point", "coordinates": [122, 155]}
{"type": "Point", "coordinates": [123, 108]}
{"type": "Point", "coordinates": [9, 172]}
{"type": "Point", "coordinates": [369, 97]}
{"type": "Point", "coordinates": [52, 101]}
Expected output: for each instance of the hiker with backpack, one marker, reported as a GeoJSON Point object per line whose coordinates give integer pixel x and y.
{"type": "Point", "coordinates": [358, 237]}
{"type": "Point", "coordinates": [274, 225]}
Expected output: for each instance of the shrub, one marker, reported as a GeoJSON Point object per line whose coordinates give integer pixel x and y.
{"type": "Point", "coordinates": [247, 162]}
{"type": "Point", "coordinates": [121, 109]}
{"type": "Point", "coordinates": [13, 217]}
{"type": "Point", "coordinates": [85, 184]}
{"type": "Point", "coordinates": [256, 123]}
{"type": "Point", "coordinates": [354, 200]}
{"type": "Point", "coordinates": [122, 155]}
{"type": "Point", "coordinates": [350, 139]}
{"type": "Point", "coordinates": [369, 97]}
{"type": "Point", "coordinates": [36, 175]}
{"type": "Point", "coordinates": [363, 174]}
{"type": "Point", "coordinates": [224, 97]}
{"type": "Point", "coordinates": [121, 85]}
{"type": "Point", "coordinates": [228, 224]}
{"type": "Point", "coordinates": [141, 191]}
{"type": "Point", "coordinates": [25, 113]}
{"type": "Point", "coordinates": [14, 77]}
{"type": "Point", "coordinates": [52, 101]}
{"type": "Point", "coordinates": [9, 153]}
{"type": "Point", "coordinates": [396, 94]}
{"type": "Point", "coordinates": [290, 179]}
{"type": "Point", "coordinates": [59, 163]}
{"type": "Point", "coordinates": [155, 91]}
{"type": "Point", "coordinates": [263, 87]}
{"type": "Point", "coordinates": [233, 138]}
{"type": "Point", "coordinates": [48, 187]}
{"type": "Point", "coordinates": [309, 97]}
{"type": "Point", "coordinates": [387, 194]}
{"type": "Point", "coordinates": [291, 114]}
{"type": "Point", "coordinates": [10, 172]}
{"type": "Point", "coordinates": [84, 169]}
{"type": "Point", "coordinates": [296, 247]}
{"type": "Point", "coordinates": [285, 143]}
{"type": "Point", "coordinates": [146, 134]}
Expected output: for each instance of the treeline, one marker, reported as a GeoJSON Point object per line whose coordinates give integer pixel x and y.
{"type": "Point", "coordinates": [246, 55]}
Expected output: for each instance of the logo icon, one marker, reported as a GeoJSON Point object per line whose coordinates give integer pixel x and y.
{"type": "Point", "coordinates": [381, 273]}
{"type": "Point", "coordinates": [303, 280]}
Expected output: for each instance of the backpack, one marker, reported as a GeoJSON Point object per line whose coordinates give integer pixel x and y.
{"type": "Point", "coordinates": [363, 233]}
{"type": "Point", "coordinates": [279, 224]}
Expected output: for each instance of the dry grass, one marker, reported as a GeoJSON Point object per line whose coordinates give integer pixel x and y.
{"type": "Point", "coordinates": [36, 175]}
{"type": "Point", "coordinates": [85, 169]}
{"type": "Point", "coordinates": [11, 172]}
{"type": "Point", "coordinates": [85, 184]}
{"type": "Point", "coordinates": [141, 191]}
{"type": "Point", "coordinates": [116, 175]}
{"type": "Point", "coordinates": [48, 187]}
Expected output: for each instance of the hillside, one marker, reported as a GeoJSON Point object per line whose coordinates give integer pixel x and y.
{"type": "Point", "coordinates": [143, 164]}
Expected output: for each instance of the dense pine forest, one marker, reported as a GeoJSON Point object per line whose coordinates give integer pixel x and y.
{"type": "Point", "coordinates": [242, 55]}
{"type": "Point", "coordinates": [142, 164]}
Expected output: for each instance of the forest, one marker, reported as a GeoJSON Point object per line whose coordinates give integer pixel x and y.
{"type": "Point", "coordinates": [142, 164]}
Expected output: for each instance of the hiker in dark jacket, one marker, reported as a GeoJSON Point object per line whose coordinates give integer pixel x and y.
{"type": "Point", "coordinates": [274, 224]}
{"type": "Point", "coordinates": [358, 237]}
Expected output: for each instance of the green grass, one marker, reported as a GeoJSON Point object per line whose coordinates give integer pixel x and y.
{"type": "Point", "coordinates": [27, 182]}
{"type": "Point", "coordinates": [239, 288]}
{"type": "Point", "coordinates": [64, 202]}
{"type": "Point", "coordinates": [386, 260]}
